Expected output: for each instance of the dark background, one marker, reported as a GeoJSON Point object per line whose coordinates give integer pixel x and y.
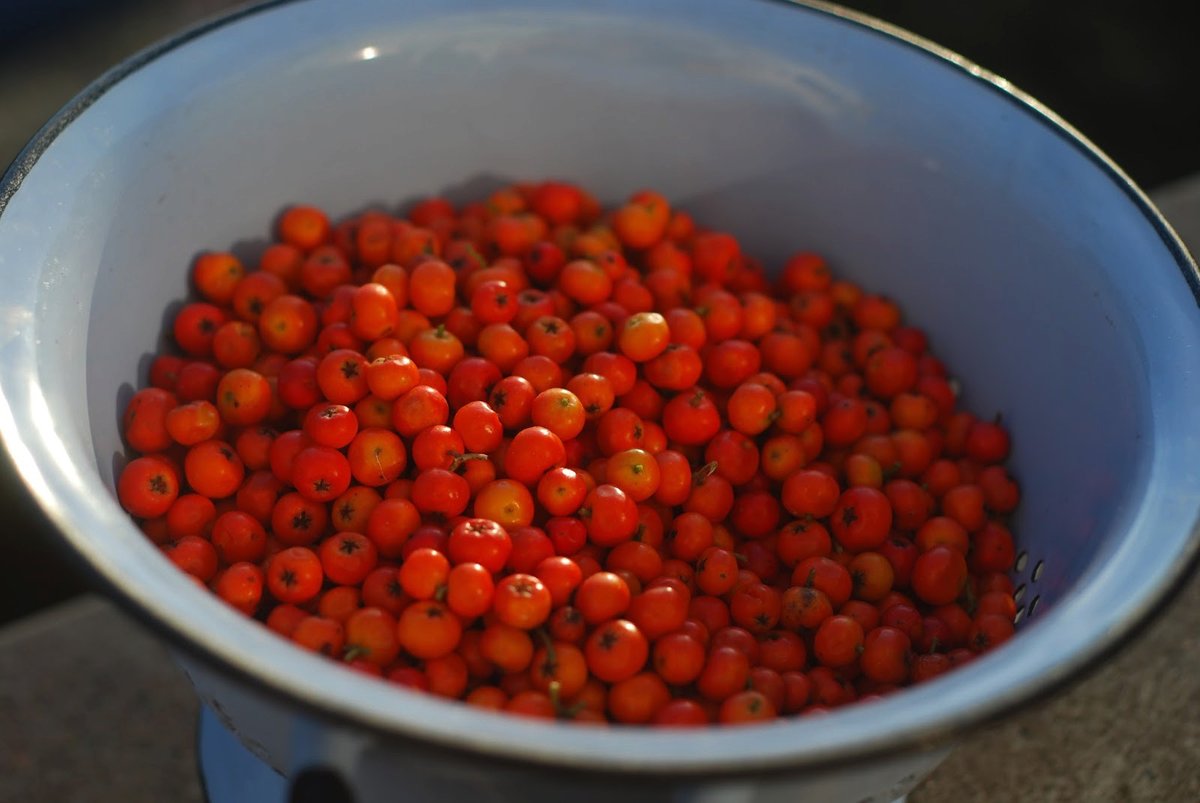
{"type": "Point", "coordinates": [1125, 75]}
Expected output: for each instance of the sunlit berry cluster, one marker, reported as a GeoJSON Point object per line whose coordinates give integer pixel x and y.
{"type": "Point", "coordinates": [572, 462]}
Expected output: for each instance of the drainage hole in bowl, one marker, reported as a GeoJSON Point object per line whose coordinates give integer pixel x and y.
{"type": "Point", "coordinates": [1019, 593]}
{"type": "Point", "coordinates": [1037, 570]}
{"type": "Point", "coordinates": [1022, 559]}
{"type": "Point", "coordinates": [1019, 615]}
{"type": "Point", "coordinates": [1033, 604]}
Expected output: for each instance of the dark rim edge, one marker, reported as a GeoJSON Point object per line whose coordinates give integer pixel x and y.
{"type": "Point", "coordinates": [927, 737]}
{"type": "Point", "coordinates": [28, 156]}
{"type": "Point", "coordinates": [1033, 106]}
{"type": "Point", "coordinates": [197, 758]}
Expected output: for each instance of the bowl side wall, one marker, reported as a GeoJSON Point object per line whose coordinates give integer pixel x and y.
{"type": "Point", "coordinates": [1042, 279]}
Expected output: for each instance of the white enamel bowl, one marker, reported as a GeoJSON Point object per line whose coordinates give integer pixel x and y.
{"type": "Point", "coordinates": [1044, 277]}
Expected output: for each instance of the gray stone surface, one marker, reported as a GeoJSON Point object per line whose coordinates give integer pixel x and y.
{"type": "Point", "coordinates": [1179, 202]}
{"type": "Point", "coordinates": [92, 709]}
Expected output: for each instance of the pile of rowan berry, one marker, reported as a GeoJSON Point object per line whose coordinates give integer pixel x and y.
{"type": "Point", "coordinates": [574, 463]}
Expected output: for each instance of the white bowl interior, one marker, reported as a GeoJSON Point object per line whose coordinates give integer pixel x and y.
{"type": "Point", "coordinates": [1043, 279]}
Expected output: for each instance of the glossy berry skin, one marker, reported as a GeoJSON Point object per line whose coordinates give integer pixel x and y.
{"type": "Point", "coordinates": [581, 464]}
{"type": "Point", "coordinates": [862, 519]}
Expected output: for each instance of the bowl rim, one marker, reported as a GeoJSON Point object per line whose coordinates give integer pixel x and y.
{"type": "Point", "coordinates": [540, 743]}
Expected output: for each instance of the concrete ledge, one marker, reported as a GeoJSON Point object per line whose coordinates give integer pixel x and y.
{"type": "Point", "coordinates": [92, 709]}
